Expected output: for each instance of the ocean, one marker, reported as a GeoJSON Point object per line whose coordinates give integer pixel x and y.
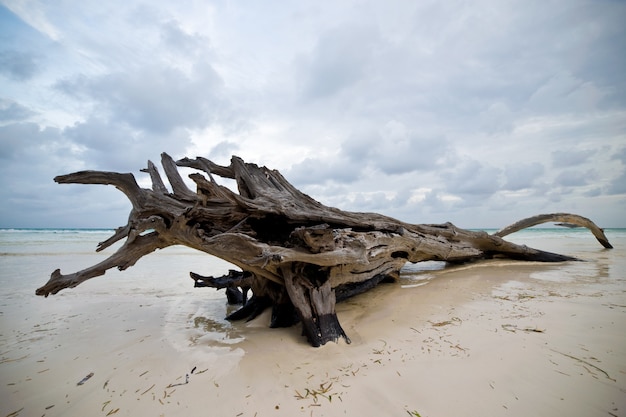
{"type": "Point", "coordinates": [28, 257]}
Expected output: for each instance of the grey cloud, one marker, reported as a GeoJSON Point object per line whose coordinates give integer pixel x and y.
{"type": "Point", "coordinates": [358, 146]}
{"type": "Point", "coordinates": [456, 67]}
{"type": "Point", "coordinates": [574, 178]}
{"type": "Point", "coordinates": [410, 154]}
{"type": "Point", "coordinates": [432, 201]}
{"type": "Point", "coordinates": [21, 140]}
{"type": "Point", "coordinates": [76, 87]}
{"type": "Point", "coordinates": [463, 60]}
{"type": "Point", "coordinates": [618, 185]}
{"type": "Point", "coordinates": [522, 176]}
{"type": "Point", "coordinates": [498, 117]}
{"type": "Point", "coordinates": [332, 194]}
{"type": "Point", "coordinates": [564, 93]}
{"type": "Point", "coordinates": [375, 201]}
{"type": "Point", "coordinates": [472, 177]}
{"type": "Point", "coordinates": [395, 149]}
{"type": "Point", "coordinates": [339, 60]}
{"type": "Point", "coordinates": [604, 33]}
{"type": "Point", "coordinates": [416, 154]}
{"type": "Point", "coordinates": [39, 202]}
{"type": "Point", "coordinates": [554, 196]}
{"type": "Point", "coordinates": [111, 145]}
{"type": "Point", "coordinates": [620, 155]}
{"type": "Point", "coordinates": [508, 53]}
{"type": "Point", "coordinates": [316, 171]}
{"type": "Point", "coordinates": [156, 99]}
{"type": "Point", "coordinates": [594, 192]}
{"type": "Point", "coordinates": [224, 149]}
{"type": "Point", "coordinates": [181, 42]}
{"type": "Point", "coordinates": [31, 157]}
{"type": "Point", "coordinates": [11, 111]}
{"type": "Point", "coordinates": [17, 65]}
{"type": "Point", "coordinates": [568, 158]}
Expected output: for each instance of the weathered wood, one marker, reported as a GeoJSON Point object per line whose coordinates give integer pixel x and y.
{"type": "Point", "coordinates": [570, 220]}
{"type": "Point", "coordinates": [297, 256]}
{"type": "Point", "coordinates": [310, 292]}
{"type": "Point", "coordinates": [157, 183]}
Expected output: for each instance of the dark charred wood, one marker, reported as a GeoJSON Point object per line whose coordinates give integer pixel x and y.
{"type": "Point", "coordinates": [314, 300]}
{"type": "Point", "coordinates": [236, 296]}
{"type": "Point", "coordinates": [252, 309]}
{"type": "Point", "coordinates": [232, 279]}
{"type": "Point", "coordinates": [284, 315]}
{"type": "Point", "coordinates": [236, 283]}
{"type": "Point", "coordinates": [343, 292]}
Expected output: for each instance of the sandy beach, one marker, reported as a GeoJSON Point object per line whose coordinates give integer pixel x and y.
{"type": "Point", "coordinates": [490, 339]}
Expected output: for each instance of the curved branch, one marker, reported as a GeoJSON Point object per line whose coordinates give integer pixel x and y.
{"type": "Point", "coordinates": [126, 183]}
{"type": "Point", "coordinates": [557, 217]}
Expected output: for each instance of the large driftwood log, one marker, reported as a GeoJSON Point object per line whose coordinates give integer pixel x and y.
{"type": "Point", "coordinates": [297, 256]}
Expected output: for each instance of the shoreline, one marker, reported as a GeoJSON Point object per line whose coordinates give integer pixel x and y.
{"type": "Point", "coordinates": [494, 338]}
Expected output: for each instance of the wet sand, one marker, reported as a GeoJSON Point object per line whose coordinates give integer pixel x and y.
{"type": "Point", "coordinates": [492, 339]}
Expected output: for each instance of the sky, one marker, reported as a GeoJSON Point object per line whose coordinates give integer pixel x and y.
{"type": "Point", "coordinates": [480, 113]}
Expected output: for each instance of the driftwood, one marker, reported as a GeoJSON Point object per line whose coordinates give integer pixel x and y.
{"type": "Point", "coordinates": [297, 256]}
{"type": "Point", "coordinates": [566, 219]}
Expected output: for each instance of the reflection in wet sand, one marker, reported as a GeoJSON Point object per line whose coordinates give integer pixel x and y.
{"type": "Point", "coordinates": [207, 329]}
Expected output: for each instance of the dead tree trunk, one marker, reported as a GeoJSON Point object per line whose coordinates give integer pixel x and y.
{"type": "Point", "coordinates": [296, 255]}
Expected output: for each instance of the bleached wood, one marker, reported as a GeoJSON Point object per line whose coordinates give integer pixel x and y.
{"type": "Point", "coordinates": [571, 219]}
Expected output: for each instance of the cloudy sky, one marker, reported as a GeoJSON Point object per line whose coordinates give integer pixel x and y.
{"type": "Point", "coordinates": [475, 112]}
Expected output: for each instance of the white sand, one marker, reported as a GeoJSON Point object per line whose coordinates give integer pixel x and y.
{"type": "Point", "coordinates": [502, 338]}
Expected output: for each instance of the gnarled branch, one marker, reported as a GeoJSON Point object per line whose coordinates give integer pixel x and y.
{"type": "Point", "coordinates": [297, 255]}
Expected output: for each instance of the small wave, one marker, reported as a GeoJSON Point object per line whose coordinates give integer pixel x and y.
{"type": "Point", "coordinates": [60, 253]}
{"type": "Point", "coordinates": [55, 231]}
